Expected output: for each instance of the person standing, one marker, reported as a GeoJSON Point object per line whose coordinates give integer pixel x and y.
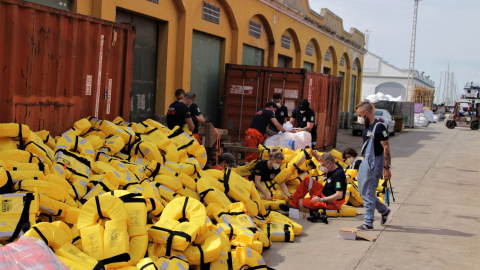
{"type": "Point", "coordinates": [179, 114]}
{"type": "Point", "coordinates": [281, 113]}
{"type": "Point", "coordinates": [304, 117]}
{"type": "Point", "coordinates": [255, 134]}
{"type": "Point", "coordinates": [197, 118]}
{"type": "Point", "coordinates": [376, 161]}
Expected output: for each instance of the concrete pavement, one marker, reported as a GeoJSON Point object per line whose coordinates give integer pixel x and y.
{"type": "Point", "coordinates": [435, 219]}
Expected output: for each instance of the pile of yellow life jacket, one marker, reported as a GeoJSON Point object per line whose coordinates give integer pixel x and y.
{"type": "Point", "coordinates": [130, 195]}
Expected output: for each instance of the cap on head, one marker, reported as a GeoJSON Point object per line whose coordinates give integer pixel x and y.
{"type": "Point", "coordinates": [303, 104]}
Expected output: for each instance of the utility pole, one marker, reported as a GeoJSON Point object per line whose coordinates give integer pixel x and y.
{"type": "Point", "coordinates": [411, 66]}
{"type": "Point", "coordinates": [367, 38]}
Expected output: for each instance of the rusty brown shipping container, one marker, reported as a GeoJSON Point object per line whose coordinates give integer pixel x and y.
{"type": "Point", "coordinates": [323, 93]}
{"type": "Point", "coordinates": [249, 88]}
{"type": "Point", "coordinates": [58, 67]}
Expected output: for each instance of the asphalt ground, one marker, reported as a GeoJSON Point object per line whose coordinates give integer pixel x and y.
{"type": "Point", "coordinates": [435, 218]}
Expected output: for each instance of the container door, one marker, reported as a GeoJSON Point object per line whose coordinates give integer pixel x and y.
{"type": "Point", "coordinates": [205, 73]}
{"type": "Point", "coordinates": [352, 94]}
{"type": "Point", "coordinates": [252, 56]}
{"type": "Point", "coordinates": [144, 66]}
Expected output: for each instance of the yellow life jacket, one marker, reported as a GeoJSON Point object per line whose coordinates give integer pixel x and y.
{"type": "Point", "coordinates": [136, 208]}
{"type": "Point", "coordinates": [82, 126]}
{"type": "Point", "coordinates": [244, 256]}
{"type": "Point", "coordinates": [71, 165]}
{"type": "Point", "coordinates": [52, 190]}
{"type": "Point", "coordinates": [46, 138]}
{"type": "Point", "coordinates": [74, 254]}
{"type": "Point", "coordinates": [279, 231]}
{"type": "Point", "coordinates": [206, 251]}
{"type": "Point", "coordinates": [274, 204]}
{"type": "Point", "coordinates": [24, 175]}
{"type": "Point", "coordinates": [172, 263]}
{"type": "Point", "coordinates": [147, 264]}
{"type": "Point", "coordinates": [95, 141]}
{"type": "Point", "coordinates": [111, 242]}
{"type": "Point", "coordinates": [209, 194]}
{"type": "Point", "coordinates": [54, 234]}
{"type": "Point", "coordinates": [182, 220]}
{"type": "Point", "coordinates": [274, 216]}
{"type": "Point", "coordinates": [163, 143]}
{"type": "Point", "coordinates": [18, 212]}
{"type": "Point", "coordinates": [7, 144]}
{"type": "Point", "coordinates": [146, 150]}
{"type": "Point", "coordinates": [11, 165]}
{"type": "Point", "coordinates": [75, 143]}
{"type": "Point", "coordinates": [355, 198]}
{"type": "Point", "coordinates": [72, 265]}
{"type": "Point", "coordinates": [52, 207]}
{"type": "Point", "coordinates": [138, 247]}
{"type": "Point", "coordinates": [12, 130]}
{"type": "Point", "coordinates": [19, 156]}
{"type": "Point", "coordinates": [184, 191]}
{"type": "Point", "coordinates": [245, 170]}
{"type": "Point", "coordinates": [114, 144]}
{"type": "Point", "coordinates": [344, 211]}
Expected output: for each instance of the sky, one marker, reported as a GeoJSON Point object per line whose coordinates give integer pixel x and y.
{"type": "Point", "coordinates": [448, 34]}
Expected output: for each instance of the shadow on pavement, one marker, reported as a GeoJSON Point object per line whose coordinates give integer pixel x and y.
{"type": "Point", "coordinates": [411, 229]}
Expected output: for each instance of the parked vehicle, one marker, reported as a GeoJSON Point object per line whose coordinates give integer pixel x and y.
{"type": "Point", "coordinates": [381, 115]}
{"type": "Point", "coordinates": [464, 118]}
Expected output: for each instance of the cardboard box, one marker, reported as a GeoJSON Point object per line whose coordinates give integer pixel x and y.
{"type": "Point", "coordinates": [353, 234]}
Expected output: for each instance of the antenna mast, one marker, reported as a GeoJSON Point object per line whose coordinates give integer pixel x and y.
{"type": "Point", "coordinates": [411, 66]}
{"type": "Point", "coordinates": [367, 38]}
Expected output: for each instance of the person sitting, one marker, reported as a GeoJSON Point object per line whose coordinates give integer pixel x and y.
{"type": "Point", "coordinates": [352, 156]}
{"type": "Point", "coordinates": [266, 170]}
{"type": "Point", "coordinates": [226, 160]}
{"type": "Point", "coordinates": [329, 196]}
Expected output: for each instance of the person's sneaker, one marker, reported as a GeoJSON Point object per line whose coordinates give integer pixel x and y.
{"type": "Point", "coordinates": [365, 227]}
{"type": "Point", "coordinates": [285, 206]}
{"type": "Point", "coordinates": [385, 217]}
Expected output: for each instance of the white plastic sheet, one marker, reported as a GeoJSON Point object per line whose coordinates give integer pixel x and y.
{"type": "Point", "coordinates": [29, 253]}
{"type": "Point", "coordinates": [290, 140]}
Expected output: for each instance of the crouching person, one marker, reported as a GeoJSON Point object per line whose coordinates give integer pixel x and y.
{"type": "Point", "coordinates": [329, 196]}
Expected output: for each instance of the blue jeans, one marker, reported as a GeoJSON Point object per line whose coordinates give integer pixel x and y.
{"type": "Point", "coordinates": [367, 184]}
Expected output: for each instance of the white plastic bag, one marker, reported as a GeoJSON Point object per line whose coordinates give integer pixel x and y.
{"type": "Point", "coordinates": [287, 126]}
{"type": "Point", "coordinates": [29, 253]}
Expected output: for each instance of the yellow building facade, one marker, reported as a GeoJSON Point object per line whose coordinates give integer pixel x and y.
{"type": "Point", "coordinates": [186, 44]}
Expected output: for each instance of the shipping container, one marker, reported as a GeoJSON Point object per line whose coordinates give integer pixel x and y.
{"type": "Point", "coordinates": [249, 88]}
{"type": "Point", "coordinates": [58, 67]}
{"type": "Point", "coordinates": [323, 93]}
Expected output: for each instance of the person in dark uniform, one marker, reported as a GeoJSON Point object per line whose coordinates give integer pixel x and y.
{"type": "Point", "coordinates": [330, 196]}
{"type": "Point", "coordinates": [266, 170]}
{"type": "Point", "coordinates": [197, 118]}
{"type": "Point", "coordinates": [179, 93]}
{"type": "Point", "coordinates": [304, 117]}
{"type": "Point", "coordinates": [255, 134]}
{"type": "Point", "coordinates": [179, 114]}
{"type": "Point", "coordinates": [367, 177]}
{"type": "Point", "coordinates": [352, 156]}
{"type": "Point", "coordinates": [281, 113]}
